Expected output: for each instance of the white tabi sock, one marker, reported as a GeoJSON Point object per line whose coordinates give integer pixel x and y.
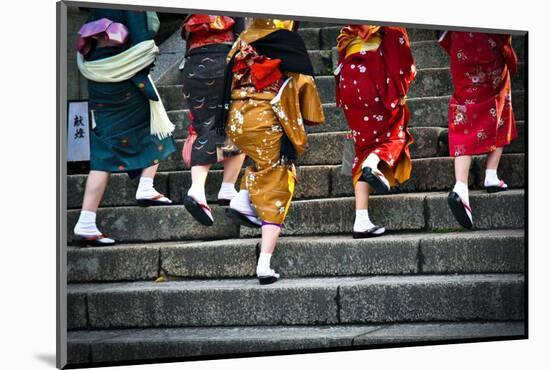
{"type": "Point", "coordinates": [227, 191]}
{"type": "Point", "coordinates": [362, 221]}
{"type": "Point", "coordinates": [264, 266]}
{"type": "Point", "coordinates": [197, 193]}
{"type": "Point", "coordinates": [462, 190]}
{"type": "Point", "coordinates": [241, 203]}
{"type": "Point", "coordinates": [371, 161]}
{"type": "Point", "coordinates": [491, 178]}
{"type": "Point", "coordinates": [146, 190]}
{"type": "Point", "coordinates": [86, 225]}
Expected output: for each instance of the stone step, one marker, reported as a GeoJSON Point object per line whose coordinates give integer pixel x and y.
{"type": "Point", "coordinates": [328, 36]}
{"type": "Point", "coordinates": [397, 212]}
{"type": "Point", "coordinates": [429, 82]}
{"type": "Point", "coordinates": [304, 301]}
{"type": "Point", "coordinates": [162, 223]}
{"type": "Point", "coordinates": [476, 252]}
{"type": "Point", "coordinates": [314, 181]}
{"type": "Point", "coordinates": [427, 54]}
{"type": "Point", "coordinates": [433, 111]}
{"type": "Point", "coordinates": [326, 148]}
{"type": "Point", "coordinates": [325, 38]}
{"type": "Point", "coordinates": [100, 346]}
{"type": "Point", "coordinates": [437, 174]}
{"type": "Point", "coordinates": [425, 112]}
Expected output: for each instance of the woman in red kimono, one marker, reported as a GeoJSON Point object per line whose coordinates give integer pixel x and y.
{"type": "Point", "coordinates": [372, 80]}
{"type": "Point", "coordinates": [481, 119]}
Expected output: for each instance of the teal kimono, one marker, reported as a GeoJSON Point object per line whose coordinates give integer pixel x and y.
{"type": "Point", "coordinates": [121, 140]}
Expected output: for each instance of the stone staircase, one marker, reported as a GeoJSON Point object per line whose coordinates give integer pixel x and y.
{"type": "Point", "coordinates": [427, 279]}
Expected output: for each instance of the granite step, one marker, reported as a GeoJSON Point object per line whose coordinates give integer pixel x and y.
{"type": "Point", "coordinates": [402, 212]}
{"type": "Point", "coordinates": [325, 38]}
{"type": "Point", "coordinates": [300, 301]}
{"type": "Point", "coordinates": [429, 82]}
{"type": "Point", "coordinates": [474, 252]}
{"type": "Point", "coordinates": [425, 112]}
{"type": "Point", "coordinates": [314, 181]}
{"type": "Point", "coordinates": [397, 212]}
{"type": "Point", "coordinates": [326, 148]}
{"type": "Point", "coordinates": [101, 346]}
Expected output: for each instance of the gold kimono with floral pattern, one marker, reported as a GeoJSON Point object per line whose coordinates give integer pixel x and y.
{"type": "Point", "coordinates": [257, 122]}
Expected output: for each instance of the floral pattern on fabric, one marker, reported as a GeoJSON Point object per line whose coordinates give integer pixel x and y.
{"type": "Point", "coordinates": [371, 88]}
{"type": "Point", "coordinates": [481, 117]}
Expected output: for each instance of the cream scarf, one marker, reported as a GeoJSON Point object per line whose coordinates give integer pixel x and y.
{"type": "Point", "coordinates": [124, 66]}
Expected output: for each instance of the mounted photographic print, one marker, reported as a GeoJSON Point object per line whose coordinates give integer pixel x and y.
{"type": "Point", "coordinates": [287, 185]}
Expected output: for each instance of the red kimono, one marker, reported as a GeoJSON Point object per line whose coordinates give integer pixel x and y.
{"type": "Point", "coordinates": [481, 118]}
{"type": "Point", "coordinates": [372, 81]}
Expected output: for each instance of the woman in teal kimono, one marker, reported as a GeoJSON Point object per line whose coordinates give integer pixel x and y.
{"type": "Point", "coordinates": [122, 110]}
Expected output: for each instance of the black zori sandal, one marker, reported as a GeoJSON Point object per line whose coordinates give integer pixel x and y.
{"type": "Point", "coordinates": [376, 179]}
{"type": "Point", "coordinates": [100, 240]}
{"type": "Point", "coordinates": [240, 218]}
{"type": "Point", "coordinates": [200, 212]}
{"type": "Point", "coordinates": [497, 188]}
{"type": "Point", "coordinates": [223, 202]}
{"type": "Point", "coordinates": [154, 201]}
{"type": "Point", "coordinates": [268, 279]}
{"type": "Point", "coordinates": [461, 211]}
{"type": "Point", "coordinates": [370, 233]}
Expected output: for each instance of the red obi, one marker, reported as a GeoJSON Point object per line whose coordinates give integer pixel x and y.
{"type": "Point", "coordinates": [204, 29]}
{"type": "Point", "coordinates": [250, 67]}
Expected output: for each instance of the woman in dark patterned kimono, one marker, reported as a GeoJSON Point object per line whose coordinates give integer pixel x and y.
{"type": "Point", "coordinates": [481, 119]}
{"type": "Point", "coordinates": [209, 39]}
{"type": "Point", "coordinates": [130, 129]}
{"type": "Point", "coordinates": [372, 81]}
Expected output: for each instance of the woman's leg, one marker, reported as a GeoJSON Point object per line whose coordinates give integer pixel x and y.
{"type": "Point", "coordinates": [146, 193]}
{"type": "Point", "coordinates": [362, 222]}
{"type": "Point", "coordinates": [361, 195]}
{"type": "Point", "coordinates": [462, 168]}
{"type": "Point", "coordinates": [198, 182]}
{"type": "Point", "coordinates": [95, 188]}
{"type": "Point", "coordinates": [231, 168]}
{"type": "Point", "coordinates": [150, 171]}
{"type": "Point", "coordinates": [462, 171]}
{"type": "Point", "coordinates": [195, 200]}
{"type": "Point", "coordinates": [458, 199]}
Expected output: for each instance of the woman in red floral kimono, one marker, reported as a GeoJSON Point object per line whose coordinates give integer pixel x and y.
{"type": "Point", "coordinates": [372, 80]}
{"type": "Point", "coordinates": [481, 119]}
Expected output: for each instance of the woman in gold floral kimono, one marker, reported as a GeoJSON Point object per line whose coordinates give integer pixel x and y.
{"type": "Point", "coordinates": [270, 95]}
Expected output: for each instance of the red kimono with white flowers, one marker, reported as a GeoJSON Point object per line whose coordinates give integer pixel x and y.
{"type": "Point", "coordinates": [481, 117]}
{"type": "Point", "coordinates": [371, 87]}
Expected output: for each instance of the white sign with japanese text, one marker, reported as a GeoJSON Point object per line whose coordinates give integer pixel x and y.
{"type": "Point", "coordinates": [78, 132]}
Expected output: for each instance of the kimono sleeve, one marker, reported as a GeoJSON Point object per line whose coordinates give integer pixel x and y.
{"type": "Point", "coordinates": [286, 106]}
{"type": "Point", "coordinates": [310, 102]}
{"type": "Point", "coordinates": [399, 59]}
